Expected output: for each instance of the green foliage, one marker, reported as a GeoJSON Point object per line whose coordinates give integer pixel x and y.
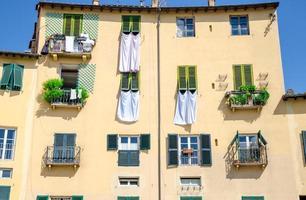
{"type": "Point", "coordinates": [53, 84]}
{"type": "Point", "coordinates": [85, 94]}
{"type": "Point", "coordinates": [239, 99]}
{"type": "Point", "coordinates": [247, 88]}
{"type": "Point", "coordinates": [52, 89]}
{"type": "Point", "coordinates": [261, 98]}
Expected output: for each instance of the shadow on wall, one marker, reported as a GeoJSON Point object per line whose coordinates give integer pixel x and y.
{"type": "Point", "coordinates": [245, 115]}
{"type": "Point", "coordinates": [290, 106]}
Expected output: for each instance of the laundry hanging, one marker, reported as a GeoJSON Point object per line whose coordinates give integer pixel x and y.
{"type": "Point", "coordinates": [69, 44]}
{"type": "Point", "coordinates": [128, 106]}
{"type": "Point", "coordinates": [73, 94]}
{"type": "Point", "coordinates": [135, 53]}
{"type": "Point", "coordinates": [186, 107]}
{"type": "Point", "coordinates": [135, 105]}
{"type": "Point", "coordinates": [129, 53]}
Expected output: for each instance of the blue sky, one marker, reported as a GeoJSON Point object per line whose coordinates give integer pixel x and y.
{"type": "Point", "coordinates": [18, 18]}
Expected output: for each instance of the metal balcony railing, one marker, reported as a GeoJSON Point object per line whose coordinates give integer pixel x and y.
{"type": "Point", "coordinates": [62, 155]}
{"type": "Point", "coordinates": [128, 158]}
{"type": "Point", "coordinates": [66, 101]}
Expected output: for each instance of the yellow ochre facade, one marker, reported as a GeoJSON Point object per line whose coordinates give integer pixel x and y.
{"type": "Point", "coordinates": [171, 114]}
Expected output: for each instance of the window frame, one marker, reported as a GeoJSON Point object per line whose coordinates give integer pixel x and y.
{"type": "Point", "coordinates": [6, 169]}
{"type": "Point", "coordinates": [239, 29]}
{"type": "Point", "coordinates": [190, 185]}
{"type": "Point", "coordinates": [131, 23]}
{"type": "Point", "coordinates": [252, 197]}
{"type": "Point", "coordinates": [4, 149]}
{"type": "Point", "coordinates": [129, 143]}
{"type": "Point", "coordinates": [129, 180]}
{"type": "Point", "coordinates": [187, 77]}
{"type": "Point", "coordinates": [130, 81]}
{"type": "Point", "coordinates": [185, 31]}
{"type": "Point", "coordinates": [72, 33]}
{"type": "Point", "coordinates": [242, 74]}
{"type": "Point", "coordinates": [189, 157]}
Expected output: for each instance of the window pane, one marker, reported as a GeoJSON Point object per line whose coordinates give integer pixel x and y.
{"type": "Point", "coordinates": [184, 139]}
{"type": "Point", "coordinates": [1, 133]}
{"type": "Point", "coordinates": [234, 21]}
{"type": "Point", "coordinates": [11, 134]}
{"type": "Point", "coordinates": [134, 140]}
{"type": "Point", "coordinates": [189, 21]}
{"type": "Point", "coordinates": [124, 140]}
{"type": "Point", "coordinates": [6, 173]}
{"type": "Point", "coordinates": [194, 139]}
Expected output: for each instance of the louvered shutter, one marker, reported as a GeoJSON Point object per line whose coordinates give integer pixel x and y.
{"type": "Point", "coordinates": [112, 142]}
{"type": "Point", "coordinates": [5, 192]}
{"type": "Point", "coordinates": [126, 26]}
{"type": "Point", "coordinates": [172, 149]}
{"type": "Point", "coordinates": [42, 197]}
{"type": "Point", "coordinates": [248, 78]}
{"type": "Point", "coordinates": [182, 79]}
{"type": "Point", "coordinates": [6, 75]}
{"type": "Point", "coordinates": [18, 75]}
{"type": "Point", "coordinates": [135, 24]}
{"type": "Point", "coordinates": [77, 197]}
{"type": "Point", "coordinates": [192, 78]}
{"type": "Point", "coordinates": [135, 81]}
{"type": "Point", "coordinates": [77, 25]}
{"type": "Point", "coordinates": [68, 25]}
{"type": "Point", "coordinates": [205, 149]}
{"type": "Point", "coordinates": [125, 80]}
{"type": "Point", "coordinates": [304, 143]}
{"type": "Point", "coordinates": [237, 76]}
{"type": "Point", "coordinates": [145, 142]}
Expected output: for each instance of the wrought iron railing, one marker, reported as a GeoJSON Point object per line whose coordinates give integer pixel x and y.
{"type": "Point", "coordinates": [66, 99]}
{"type": "Point", "coordinates": [248, 156]}
{"type": "Point", "coordinates": [57, 44]}
{"type": "Point", "coordinates": [128, 158]}
{"type": "Point", "coordinates": [62, 155]}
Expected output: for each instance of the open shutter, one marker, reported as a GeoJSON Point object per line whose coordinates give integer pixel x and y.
{"type": "Point", "coordinates": [54, 24]}
{"type": "Point", "coordinates": [112, 142]}
{"type": "Point", "coordinates": [304, 143]}
{"type": "Point", "coordinates": [68, 25]}
{"type": "Point", "coordinates": [145, 142]}
{"type": "Point", "coordinates": [235, 139]}
{"type": "Point", "coordinates": [205, 149]}
{"type": "Point", "coordinates": [135, 24]}
{"type": "Point", "coordinates": [248, 77]}
{"type": "Point", "coordinates": [172, 149]}
{"type": "Point", "coordinates": [192, 77]}
{"type": "Point", "coordinates": [125, 80]}
{"type": "Point", "coordinates": [126, 28]}
{"type": "Point", "coordinates": [18, 74]}
{"type": "Point", "coordinates": [77, 25]}
{"type": "Point", "coordinates": [237, 76]}
{"type": "Point", "coordinates": [90, 25]}
{"type": "Point", "coordinates": [42, 197]}
{"type": "Point", "coordinates": [6, 75]}
{"type": "Point", "coordinates": [77, 197]}
{"type": "Point", "coordinates": [135, 81]}
{"type": "Point", "coordinates": [182, 79]}
{"type": "Point", "coordinates": [261, 138]}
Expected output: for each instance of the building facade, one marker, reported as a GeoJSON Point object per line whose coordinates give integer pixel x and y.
{"type": "Point", "coordinates": [167, 103]}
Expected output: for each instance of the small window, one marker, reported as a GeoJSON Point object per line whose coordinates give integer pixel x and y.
{"type": "Point", "coordinates": [130, 81]}
{"type": "Point", "coordinates": [7, 143]}
{"type": "Point", "coordinates": [189, 150]}
{"type": "Point", "coordinates": [12, 75]}
{"type": "Point", "coordinates": [134, 182]}
{"type": "Point", "coordinates": [187, 78]}
{"type": "Point", "coordinates": [128, 143]}
{"type": "Point", "coordinates": [69, 74]}
{"type": "Point", "coordinates": [243, 75]}
{"type": "Point", "coordinates": [130, 24]}
{"type": "Point", "coordinates": [185, 27]}
{"type": "Point", "coordinates": [72, 24]}
{"type": "Point", "coordinates": [188, 181]}
{"type": "Point", "coordinates": [5, 173]}
{"type": "Point", "coordinates": [240, 25]}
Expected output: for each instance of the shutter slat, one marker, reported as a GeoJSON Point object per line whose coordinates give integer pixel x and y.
{"type": "Point", "coordinates": [112, 142]}
{"type": "Point", "coordinates": [67, 25]}
{"type": "Point", "coordinates": [237, 76]}
{"type": "Point", "coordinates": [125, 81]}
{"type": "Point", "coordinates": [18, 75]}
{"type": "Point", "coordinates": [134, 81]}
{"type": "Point", "coordinates": [206, 149]}
{"type": "Point", "coordinates": [77, 197]}
{"type": "Point", "coordinates": [172, 149]}
{"type": "Point", "coordinates": [126, 28]}
{"type": "Point", "coordinates": [145, 142]}
{"type": "Point", "coordinates": [182, 80]}
{"type": "Point", "coordinates": [248, 79]}
{"type": "Point", "coordinates": [135, 24]}
{"type": "Point", "coordinates": [192, 79]}
{"type": "Point", "coordinates": [6, 75]}
{"type": "Point", "coordinates": [77, 26]}
{"type": "Point", "coordinates": [5, 192]}
{"type": "Point", "coordinates": [42, 197]}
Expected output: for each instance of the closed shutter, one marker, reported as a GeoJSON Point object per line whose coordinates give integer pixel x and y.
{"type": "Point", "coordinates": [135, 24]}
{"type": "Point", "coordinates": [126, 28]}
{"type": "Point", "coordinates": [135, 81]}
{"type": "Point", "coordinates": [68, 25]}
{"type": "Point", "coordinates": [248, 77]}
{"type": "Point", "coordinates": [42, 197]}
{"type": "Point", "coordinates": [54, 24]}
{"type": "Point", "coordinates": [172, 149]}
{"type": "Point", "coordinates": [253, 198]}
{"type": "Point", "coordinates": [192, 78]}
{"type": "Point", "coordinates": [191, 198]}
{"type": "Point", "coordinates": [145, 142]}
{"type": "Point", "coordinates": [77, 25]}
{"type": "Point", "coordinates": [77, 197]}
{"type": "Point", "coordinates": [133, 198]}
{"type": "Point", "coordinates": [18, 75]}
{"type": "Point", "coordinates": [237, 76]}
{"type": "Point", "coordinates": [112, 142]}
{"type": "Point", "coordinates": [304, 143]}
{"type": "Point", "coordinates": [182, 79]}
{"type": "Point", "coordinates": [91, 25]}
{"type": "Point", "coordinates": [205, 149]}
{"type": "Point", "coordinates": [6, 75]}
{"type": "Point", "coordinates": [125, 81]}
{"type": "Point", "coordinates": [5, 192]}
{"type": "Point", "coordinates": [128, 198]}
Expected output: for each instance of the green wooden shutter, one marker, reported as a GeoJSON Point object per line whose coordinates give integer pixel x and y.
{"type": "Point", "coordinates": [182, 79]}
{"type": "Point", "coordinates": [135, 24]}
{"type": "Point", "coordinates": [192, 78]}
{"type": "Point", "coordinates": [237, 76]}
{"type": "Point", "coordinates": [125, 81]}
{"type": "Point", "coordinates": [42, 197]}
{"type": "Point", "coordinates": [261, 138]}
{"type": "Point", "coordinates": [304, 143]}
{"type": "Point", "coordinates": [112, 142]}
{"type": "Point", "coordinates": [133, 198]}
{"type": "Point", "coordinates": [54, 24]}
{"type": "Point", "coordinates": [145, 142]}
{"type": "Point", "coordinates": [191, 198]}
{"type": "Point", "coordinates": [248, 77]}
{"type": "Point", "coordinates": [91, 25]}
{"type": "Point", "coordinates": [252, 198]}
{"type": "Point", "coordinates": [128, 198]}
{"type": "Point", "coordinates": [67, 24]}
{"type": "Point", "coordinates": [5, 192]}
{"type": "Point", "coordinates": [77, 25]}
{"type": "Point", "coordinates": [126, 25]}
{"type": "Point", "coordinates": [172, 149]}
{"type": "Point", "coordinates": [135, 81]}
{"type": "Point", "coordinates": [77, 197]}
{"type": "Point", "coordinates": [6, 75]}
{"type": "Point", "coordinates": [205, 149]}
{"type": "Point", "coordinates": [86, 76]}
{"type": "Point", "coordinates": [235, 139]}
{"type": "Point", "coordinates": [18, 75]}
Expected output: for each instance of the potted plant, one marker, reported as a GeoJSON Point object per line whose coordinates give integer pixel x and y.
{"type": "Point", "coordinates": [52, 90]}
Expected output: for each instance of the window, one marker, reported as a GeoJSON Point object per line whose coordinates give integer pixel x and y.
{"type": "Point", "coordinates": [190, 181]}
{"type": "Point", "coordinates": [46, 197]}
{"type": "Point", "coordinates": [191, 198]}
{"type": "Point", "coordinates": [304, 145]}
{"type": "Point", "coordinates": [128, 154]}
{"type": "Point", "coordinates": [129, 182]}
{"type": "Point", "coordinates": [5, 173]}
{"type": "Point", "coordinates": [130, 81]}
{"type": "Point", "coordinates": [189, 150]}
{"type": "Point", "coordinates": [5, 192]}
{"type": "Point", "coordinates": [12, 77]}
{"type": "Point", "coordinates": [128, 143]}
{"type": "Point", "coordinates": [252, 198]}
{"type": "Point", "coordinates": [248, 148]}
{"type": "Point", "coordinates": [73, 24]}
{"type": "Point", "coordinates": [130, 24]}
{"type": "Point", "coordinates": [128, 198]}
{"type": "Point", "coordinates": [302, 197]}
{"type": "Point", "coordinates": [7, 143]}
{"type": "Point", "coordinates": [243, 75]}
{"type": "Point", "coordinates": [187, 78]}
{"type": "Point", "coordinates": [69, 74]}
{"type": "Point", "coordinates": [185, 27]}
{"type": "Point", "coordinates": [240, 25]}
{"type": "Point", "coordinates": [64, 148]}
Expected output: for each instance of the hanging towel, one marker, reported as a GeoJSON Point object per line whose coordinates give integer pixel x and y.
{"type": "Point", "coordinates": [124, 112]}
{"type": "Point", "coordinates": [135, 105]}
{"type": "Point", "coordinates": [73, 94]}
{"type": "Point", "coordinates": [125, 52]}
{"type": "Point", "coordinates": [191, 108]}
{"type": "Point", "coordinates": [180, 112]}
{"type": "Point", "coordinates": [69, 44]}
{"type": "Point", "coordinates": [135, 53]}
{"type": "Point", "coordinates": [79, 93]}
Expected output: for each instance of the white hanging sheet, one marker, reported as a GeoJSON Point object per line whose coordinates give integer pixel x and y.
{"type": "Point", "coordinates": [73, 94]}
{"type": "Point", "coordinates": [186, 108]}
{"type": "Point", "coordinates": [125, 52]}
{"type": "Point", "coordinates": [128, 106]}
{"type": "Point", "coordinates": [135, 105]}
{"type": "Point", "coordinates": [135, 53]}
{"type": "Point", "coordinates": [191, 111]}
{"type": "Point", "coordinates": [69, 44]}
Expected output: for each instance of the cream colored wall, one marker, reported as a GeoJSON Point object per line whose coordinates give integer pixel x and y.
{"type": "Point", "coordinates": [17, 113]}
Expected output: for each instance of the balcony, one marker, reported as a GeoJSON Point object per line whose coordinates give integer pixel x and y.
{"type": "Point", "coordinates": [247, 100]}
{"type": "Point", "coordinates": [61, 46]}
{"type": "Point", "coordinates": [66, 100]}
{"type": "Point", "coordinates": [128, 158]}
{"type": "Point", "coordinates": [62, 156]}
